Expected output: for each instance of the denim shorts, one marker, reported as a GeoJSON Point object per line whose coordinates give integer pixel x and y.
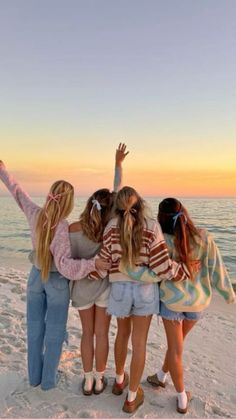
{"type": "Point", "coordinates": [132, 298]}
{"type": "Point", "coordinates": [168, 314]}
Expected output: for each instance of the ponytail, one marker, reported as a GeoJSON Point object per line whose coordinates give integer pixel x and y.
{"type": "Point", "coordinates": [174, 219]}
{"type": "Point", "coordinates": [130, 210]}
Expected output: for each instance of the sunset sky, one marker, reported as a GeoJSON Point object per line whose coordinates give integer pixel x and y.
{"type": "Point", "coordinates": [77, 77]}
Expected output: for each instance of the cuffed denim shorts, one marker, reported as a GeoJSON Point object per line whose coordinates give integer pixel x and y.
{"type": "Point", "coordinates": [131, 298]}
{"type": "Point", "coordinates": [168, 314]}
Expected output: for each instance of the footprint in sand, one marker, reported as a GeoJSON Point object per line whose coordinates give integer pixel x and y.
{"type": "Point", "coordinates": [17, 290]}
{"type": "Point", "coordinates": [6, 350]}
{"type": "Point", "coordinates": [86, 414]}
{"type": "Point", "coordinates": [3, 280]}
{"type": "Point", "coordinates": [157, 404]}
{"type": "Point", "coordinates": [213, 409]}
{"type": "Point", "coordinates": [4, 323]}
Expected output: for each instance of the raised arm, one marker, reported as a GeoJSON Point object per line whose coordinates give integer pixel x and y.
{"type": "Point", "coordinates": [22, 198]}
{"type": "Point", "coordinates": [121, 154]}
{"type": "Point", "coordinates": [219, 276]}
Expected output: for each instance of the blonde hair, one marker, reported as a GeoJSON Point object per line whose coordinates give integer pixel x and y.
{"type": "Point", "coordinates": [96, 214]}
{"type": "Point", "coordinates": [130, 209]}
{"type": "Point", "coordinates": [59, 204]}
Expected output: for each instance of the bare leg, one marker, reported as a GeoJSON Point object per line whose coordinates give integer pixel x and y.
{"type": "Point", "coordinates": [187, 325]}
{"type": "Point", "coordinates": [140, 330]}
{"type": "Point", "coordinates": [102, 323]}
{"type": "Point", "coordinates": [87, 343]}
{"type": "Point", "coordinates": [121, 343]}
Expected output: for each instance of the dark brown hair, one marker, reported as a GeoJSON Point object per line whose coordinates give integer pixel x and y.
{"type": "Point", "coordinates": [175, 220]}
{"type": "Point", "coordinates": [97, 213]}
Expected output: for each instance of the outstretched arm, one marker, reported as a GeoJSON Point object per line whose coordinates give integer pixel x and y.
{"type": "Point", "coordinates": [121, 154]}
{"type": "Point", "coordinates": [22, 198]}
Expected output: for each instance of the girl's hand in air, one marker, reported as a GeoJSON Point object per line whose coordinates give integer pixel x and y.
{"type": "Point", "coordinates": [121, 153]}
{"type": "Point", "coordinates": [2, 165]}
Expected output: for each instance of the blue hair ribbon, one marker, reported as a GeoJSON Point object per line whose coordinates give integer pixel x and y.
{"type": "Point", "coordinates": [177, 215]}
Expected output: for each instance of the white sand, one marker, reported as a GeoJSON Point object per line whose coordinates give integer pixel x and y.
{"type": "Point", "coordinates": [210, 371]}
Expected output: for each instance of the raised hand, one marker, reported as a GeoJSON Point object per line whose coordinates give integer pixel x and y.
{"type": "Point", "coordinates": [2, 164]}
{"type": "Point", "coordinates": [121, 153]}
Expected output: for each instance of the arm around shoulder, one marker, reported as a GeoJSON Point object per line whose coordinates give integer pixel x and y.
{"type": "Point", "coordinates": [73, 269]}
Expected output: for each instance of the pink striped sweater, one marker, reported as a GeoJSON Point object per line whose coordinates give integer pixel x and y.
{"type": "Point", "coordinates": [60, 246]}
{"type": "Point", "coordinates": [153, 254]}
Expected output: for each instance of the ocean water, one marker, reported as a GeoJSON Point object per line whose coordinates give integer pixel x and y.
{"type": "Point", "coordinates": [216, 215]}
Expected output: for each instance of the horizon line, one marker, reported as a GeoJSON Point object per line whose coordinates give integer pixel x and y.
{"type": "Point", "coordinates": [144, 196]}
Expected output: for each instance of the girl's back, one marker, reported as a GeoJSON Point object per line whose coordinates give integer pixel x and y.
{"type": "Point", "coordinates": [195, 294]}
{"type": "Point", "coordinates": [81, 291]}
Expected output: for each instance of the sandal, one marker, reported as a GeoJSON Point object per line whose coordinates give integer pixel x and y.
{"type": "Point", "coordinates": [104, 384]}
{"type": "Point", "coordinates": [154, 381]}
{"type": "Point", "coordinates": [87, 392]}
{"type": "Point", "coordinates": [118, 389]}
{"type": "Point", "coordinates": [189, 398]}
{"type": "Point", "coordinates": [131, 407]}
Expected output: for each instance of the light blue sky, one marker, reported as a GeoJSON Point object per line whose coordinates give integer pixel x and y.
{"type": "Point", "coordinates": [82, 74]}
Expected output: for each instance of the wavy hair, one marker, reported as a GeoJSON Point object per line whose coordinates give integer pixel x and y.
{"type": "Point", "coordinates": [97, 213]}
{"type": "Point", "coordinates": [130, 210]}
{"type": "Point", "coordinates": [59, 204]}
{"type": "Point", "coordinates": [175, 220]}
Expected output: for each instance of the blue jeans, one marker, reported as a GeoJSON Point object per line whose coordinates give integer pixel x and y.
{"type": "Point", "coordinates": [47, 312]}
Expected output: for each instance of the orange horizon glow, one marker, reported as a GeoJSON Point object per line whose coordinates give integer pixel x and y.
{"type": "Point", "coordinates": [195, 183]}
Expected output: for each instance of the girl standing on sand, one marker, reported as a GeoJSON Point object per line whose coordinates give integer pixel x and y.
{"type": "Point", "coordinates": [48, 292]}
{"type": "Point", "coordinates": [182, 302]}
{"type": "Point", "coordinates": [91, 296]}
{"type": "Point", "coordinates": [131, 239]}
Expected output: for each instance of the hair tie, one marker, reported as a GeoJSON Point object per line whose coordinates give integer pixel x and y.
{"type": "Point", "coordinates": [95, 204]}
{"type": "Point", "coordinates": [51, 198]}
{"type": "Point", "coordinates": [176, 216]}
{"type": "Point", "coordinates": [130, 210]}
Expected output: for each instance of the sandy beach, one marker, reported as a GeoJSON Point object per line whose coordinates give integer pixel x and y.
{"type": "Point", "coordinates": [210, 371]}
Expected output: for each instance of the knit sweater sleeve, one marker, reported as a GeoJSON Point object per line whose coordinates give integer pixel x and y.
{"type": "Point", "coordinates": [60, 247]}
{"type": "Point", "coordinates": [105, 253]}
{"type": "Point", "coordinates": [160, 261]}
{"type": "Point", "coordinates": [21, 197]}
{"type": "Point", "coordinates": [218, 274]}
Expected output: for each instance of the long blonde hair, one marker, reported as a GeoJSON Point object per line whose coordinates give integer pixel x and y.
{"type": "Point", "coordinates": [96, 214]}
{"type": "Point", "coordinates": [59, 204]}
{"type": "Point", "coordinates": [130, 209]}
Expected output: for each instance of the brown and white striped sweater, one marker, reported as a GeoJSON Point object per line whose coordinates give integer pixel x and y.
{"type": "Point", "coordinates": [153, 255]}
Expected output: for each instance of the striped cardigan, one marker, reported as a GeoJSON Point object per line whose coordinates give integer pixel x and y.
{"type": "Point", "coordinates": [154, 254]}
